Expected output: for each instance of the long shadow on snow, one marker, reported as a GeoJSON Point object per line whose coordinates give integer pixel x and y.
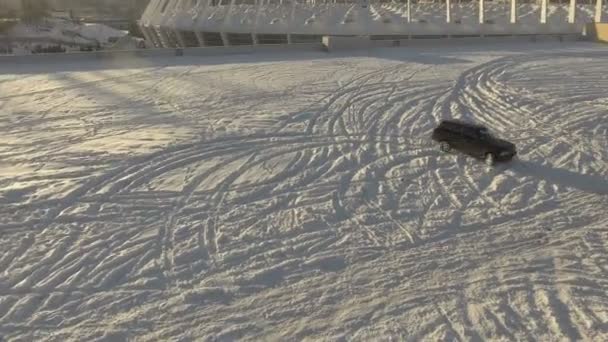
{"type": "Point", "coordinates": [596, 184]}
{"type": "Point", "coordinates": [57, 64]}
{"type": "Point", "coordinates": [431, 54]}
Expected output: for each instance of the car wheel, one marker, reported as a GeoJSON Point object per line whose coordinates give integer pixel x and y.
{"type": "Point", "coordinates": [490, 160]}
{"type": "Point", "coordinates": [445, 146]}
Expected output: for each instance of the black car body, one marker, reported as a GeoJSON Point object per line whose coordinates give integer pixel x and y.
{"type": "Point", "coordinates": [474, 140]}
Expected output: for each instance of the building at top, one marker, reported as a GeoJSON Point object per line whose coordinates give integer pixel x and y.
{"type": "Point", "coordinates": [191, 23]}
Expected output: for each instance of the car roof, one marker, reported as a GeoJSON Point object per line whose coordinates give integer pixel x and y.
{"type": "Point", "coordinates": [452, 124]}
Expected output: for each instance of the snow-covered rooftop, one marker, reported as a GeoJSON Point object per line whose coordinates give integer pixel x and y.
{"type": "Point", "coordinates": [333, 18]}
{"type": "Point", "coordinates": [65, 31]}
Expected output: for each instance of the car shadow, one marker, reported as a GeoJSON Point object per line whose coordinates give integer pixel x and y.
{"type": "Point", "coordinates": [597, 184]}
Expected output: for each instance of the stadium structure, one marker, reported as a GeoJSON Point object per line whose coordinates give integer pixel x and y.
{"type": "Point", "coordinates": [194, 23]}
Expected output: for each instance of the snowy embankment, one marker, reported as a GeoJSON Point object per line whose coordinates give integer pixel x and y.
{"type": "Point", "coordinates": [268, 199]}
{"type": "Point", "coordinates": [64, 31]}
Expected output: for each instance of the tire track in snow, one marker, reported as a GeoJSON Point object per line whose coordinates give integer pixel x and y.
{"type": "Point", "coordinates": [480, 85]}
{"type": "Point", "coordinates": [340, 167]}
{"type": "Point", "coordinates": [338, 115]}
{"type": "Point", "coordinates": [81, 84]}
{"type": "Point", "coordinates": [475, 89]}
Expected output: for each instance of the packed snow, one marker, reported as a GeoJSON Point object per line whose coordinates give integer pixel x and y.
{"type": "Point", "coordinates": [55, 30]}
{"type": "Point", "coordinates": [290, 197]}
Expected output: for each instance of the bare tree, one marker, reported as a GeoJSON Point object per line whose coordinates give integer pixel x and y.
{"type": "Point", "coordinates": [34, 10]}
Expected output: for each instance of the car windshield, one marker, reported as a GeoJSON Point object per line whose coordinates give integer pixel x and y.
{"type": "Point", "coordinates": [484, 133]}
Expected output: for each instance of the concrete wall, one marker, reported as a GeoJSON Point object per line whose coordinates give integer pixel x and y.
{"type": "Point", "coordinates": [352, 43]}
{"type": "Point", "coordinates": [332, 43]}
{"type": "Point", "coordinates": [598, 32]}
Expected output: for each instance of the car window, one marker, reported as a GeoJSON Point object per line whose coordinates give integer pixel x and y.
{"type": "Point", "coordinates": [469, 132]}
{"type": "Point", "coordinates": [483, 133]}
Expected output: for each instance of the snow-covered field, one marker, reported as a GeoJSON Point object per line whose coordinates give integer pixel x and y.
{"type": "Point", "coordinates": [299, 197]}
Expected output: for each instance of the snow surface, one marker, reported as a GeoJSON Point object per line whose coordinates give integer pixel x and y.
{"type": "Point", "coordinates": [66, 31]}
{"type": "Point", "coordinates": [269, 197]}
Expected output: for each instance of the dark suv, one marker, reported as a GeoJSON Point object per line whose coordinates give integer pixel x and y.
{"type": "Point", "coordinates": [474, 140]}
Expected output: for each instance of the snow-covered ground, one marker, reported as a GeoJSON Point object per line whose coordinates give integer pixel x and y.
{"type": "Point", "coordinates": [59, 31]}
{"type": "Point", "coordinates": [288, 197]}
